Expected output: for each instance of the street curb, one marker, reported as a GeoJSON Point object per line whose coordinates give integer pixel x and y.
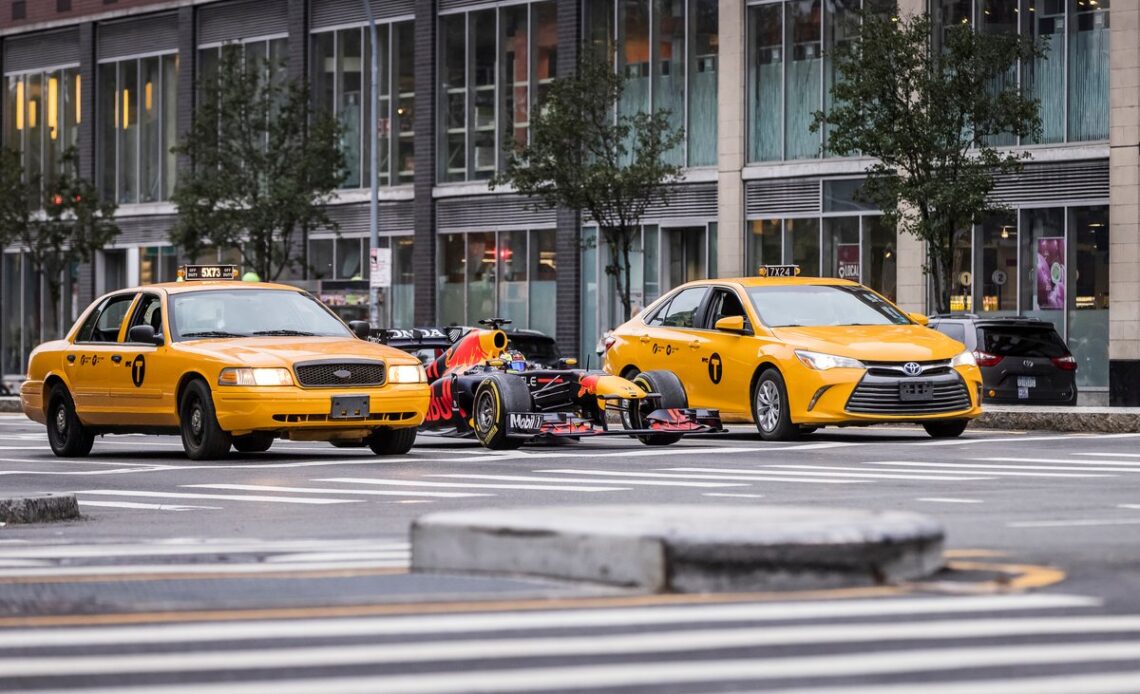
{"type": "Point", "coordinates": [10, 404]}
{"type": "Point", "coordinates": [1098, 420]}
{"type": "Point", "coordinates": [39, 509]}
{"type": "Point", "coordinates": [684, 548]}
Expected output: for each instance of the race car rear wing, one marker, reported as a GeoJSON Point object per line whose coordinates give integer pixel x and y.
{"type": "Point", "coordinates": [416, 337]}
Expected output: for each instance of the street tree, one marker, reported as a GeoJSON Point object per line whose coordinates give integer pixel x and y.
{"type": "Point", "coordinates": [57, 220]}
{"type": "Point", "coordinates": [588, 155]}
{"type": "Point", "coordinates": [929, 112]}
{"type": "Point", "coordinates": [264, 165]}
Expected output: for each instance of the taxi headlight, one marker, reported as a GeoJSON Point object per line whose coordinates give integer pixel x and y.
{"type": "Point", "coordinates": [823, 362]}
{"type": "Point", "coordinates": [406, 373]}
{"type": "Point", "coordinates": [964, 359]}
{"type": "Point", "coordinates": [244, 376]}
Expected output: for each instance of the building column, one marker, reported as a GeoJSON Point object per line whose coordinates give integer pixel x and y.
{"type": "Point", "coordinates": [1124, 216]}
{"type": "Point", "coordinates": [86, 138]}
{"type": "Point", "coordinates": [567, 242]}
{"type": "Point", "coordinates": [423, 259]}
{"type": "Point", "coordinates": [297, 45]}
{"type": "Point", "coordinates": [731, 113]}
{"type": "Point", "coordinates": [187, 68]}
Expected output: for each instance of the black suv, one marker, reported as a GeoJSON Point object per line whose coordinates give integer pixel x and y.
{"type": "Point", "coordinates": [1023, 360]}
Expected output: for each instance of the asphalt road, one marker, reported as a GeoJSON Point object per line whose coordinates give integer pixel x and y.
{"type": "Point", "coordinates": [286, 571]}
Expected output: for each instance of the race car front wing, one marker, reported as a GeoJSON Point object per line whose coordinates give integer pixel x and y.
{"type": "Point", "coordinates": [564, 424]}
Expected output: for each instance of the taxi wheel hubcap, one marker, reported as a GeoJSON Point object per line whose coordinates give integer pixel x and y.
{"type": "Point", "coordinates": [61, 420]}
{"type": "Point", "coordinates": [768, 405]}
{"type": "Point", "coordinates": [485, 412]}
{"type": "Point", "coordinates": [196, 421]}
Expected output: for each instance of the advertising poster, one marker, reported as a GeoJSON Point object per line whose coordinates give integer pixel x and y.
{"type": "Point", "coordinates": [847, 261]}
{"type": "Point", "coordinates": [1051, 272]}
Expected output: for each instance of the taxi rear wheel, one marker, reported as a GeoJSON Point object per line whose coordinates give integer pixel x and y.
{"type": "Point", "coordinates": [66, 434]}
{"type": "Point", "coordinates": [392, 441]}
{"type": "Point", "coordinates": [202, 436]}
{"type": "Point", "coordinates": [770, 408]}
{"type": "Point", "coordinates": [673, 396]}
{"type": "Point", "coordinates": [946, 430]}
{"type": "Point", "coordinates": [257, 442]}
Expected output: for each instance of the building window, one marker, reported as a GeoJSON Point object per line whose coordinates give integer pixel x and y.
{"type": "Point", "coordinates": [668, 52]}
{"type": "Point", "coordinates": [269, 52]}
{"type": "Point", "coordinates": [506, 273]}
{"type": "Point", "coordinates": [341, 79]}
{"type": "Point", "coordinates": [494, 66]}
{"type": "Point", "coordinates": [138, 116]}
{"type": "Point", "coordinates": [158, 264]}
{"type": "Point", "coordinates": [340, 266]}
{"type": "Point", "coordinates": [19, 10]}
{"type": "Point", "coordinates": [43, 117]}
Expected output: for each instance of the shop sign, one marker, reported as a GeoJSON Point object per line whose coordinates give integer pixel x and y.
{"type": "Point", "coordinates": [380, 269]}
{"type": "Point", "coordinates": [1051, 272]}
{"type": "Point", "coordinates": [847, 261]}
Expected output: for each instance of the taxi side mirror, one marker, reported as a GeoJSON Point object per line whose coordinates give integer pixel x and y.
{"type": "Point", "coordinates": [919, 318]}
{"type": "Point", "coordinates": [144, 334]}
{"type": "Point", "coordinates": [732, 324]}
{"type": "Point", "coordinates": [360, 328]}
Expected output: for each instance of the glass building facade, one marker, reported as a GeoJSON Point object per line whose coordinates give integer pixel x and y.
{"type": "Point", "coordinates": [43, 113]}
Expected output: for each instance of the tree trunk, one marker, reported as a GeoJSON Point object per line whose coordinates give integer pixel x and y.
{"type": "Point", "coordinates": [627, 301]}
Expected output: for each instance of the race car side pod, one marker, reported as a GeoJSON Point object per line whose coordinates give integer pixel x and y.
{"type": "Point", "coordinates": [471, 349]}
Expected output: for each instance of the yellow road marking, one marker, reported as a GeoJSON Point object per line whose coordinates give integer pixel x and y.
{"type": "Point", "coordinates": [972, 553]}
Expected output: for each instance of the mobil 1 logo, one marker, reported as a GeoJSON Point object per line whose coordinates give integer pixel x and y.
{"type": "Point", "coordinates": [524, 421]}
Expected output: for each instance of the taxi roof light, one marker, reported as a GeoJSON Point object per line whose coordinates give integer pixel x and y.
{"type": "Point", "coordinates": [778, 271]}
{"type": "Point", "coordinates": [198, 273]}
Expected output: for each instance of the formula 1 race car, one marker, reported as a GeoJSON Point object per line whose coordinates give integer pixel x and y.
{"type": "Point", "coordinates": [480, 388]}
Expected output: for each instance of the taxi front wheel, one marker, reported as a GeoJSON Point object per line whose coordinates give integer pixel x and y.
{"type": "Point", "coordinates": [770, 408]}
{"type": "Point", "coordinates": [946, 430]}
{"type": "Point", "coordinates": [202, 436]}
{"type": "Point", "coordinates": [392, 441]}
{"type": "Point", "coordinates": [67, 436]}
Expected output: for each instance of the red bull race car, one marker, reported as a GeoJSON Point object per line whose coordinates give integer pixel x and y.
{"type": "Point", "coordinates": [481, 388]}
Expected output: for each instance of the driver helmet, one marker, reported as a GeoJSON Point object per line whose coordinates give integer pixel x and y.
{"type": "Point", "coordinates": [517, 361]}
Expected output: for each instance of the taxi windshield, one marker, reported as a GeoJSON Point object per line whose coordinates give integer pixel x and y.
{"type": "Point", "coordinates": [250, 313]}
{"type": "Point", "coordinates": [820, 305]}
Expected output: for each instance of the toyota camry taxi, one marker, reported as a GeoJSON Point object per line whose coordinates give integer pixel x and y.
{"type": "Point", "coordinates": [223, 363]}
{"type": "Point", "coordinates": [793, 354]}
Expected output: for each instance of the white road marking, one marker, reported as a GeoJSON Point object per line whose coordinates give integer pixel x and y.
{"type": "Point", "coordinates": [444, 624]}
{"type": "Point", "coordinates": [629, 674]}
{"type": "Point", "coordinates": [1022, 439]}
{"type": "Point", "coordinates": [1113, 455]}
{"type": "Point", "coordinates": [191, 546]}
{"type": "Point", "coordinates": [984, 468]}
{"type": "Point", "coordinates": [734, 496]}
{"type": "Point", "coordinates": [935, 474]}
{"type": "Point", "coordinates": [830, 472]}
{"type": "Point", "coordinates": [337, 556]}
{"type": "Point", "coordinates": [310, 490]}
{"type": "Point", "coordinates": [211, 568]}
{"type": "Point", "coordinates": [584, 480]}
{"type": "Point", "coordinates": [464, 485]}
{"type": "Point", "coordinates": [153, 507]}
{"type": "Point", "coordinates": [226, 497]}
{"type": "Point", "coordinates": [1107, 683]}
{"type": "Point", "coordinates": [673, 641]}
{"type": "Point", "coordinates": [1059, 461]}
{"type": "Point", "coordinates": [949, 500]}
{"type": "Point", "coordinates": [1074, 523]}
{"type": "Point", "coordinates": [666, 475]}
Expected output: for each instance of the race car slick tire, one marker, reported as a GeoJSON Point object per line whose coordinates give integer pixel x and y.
{"type": "Point", "coordinates": [66, 434]}
{"type": "Point", "coordinates": [770, 408]}
{"type": "Point", "coordinates": [495, 399]}
{"type": "Point", "coordinates": [946, 430]}
{"type": "Point", "coordinates": [392, 441]}
{"type": "Point", "coordinates": [202, 437]}
{"type": "Point", "coordinates": [257, 442]}
{"type": "Point", "coordinates": [672, 392]}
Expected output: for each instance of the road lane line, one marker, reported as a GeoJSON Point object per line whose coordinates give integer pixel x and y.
{"type": "Point", "coordinates": [629, 674]}
{"type": "Point", "coordinates": [949, 500]}
{"type": "Point", "coordinates": [666, 475]}
{"type": "Point", "coordinates": [804, 470]}
{"type": "Point", "coordinates": [180, 547]}
{"type": "Point", "coordinates": [734, 496]}
{"type": "Point", "coordinates": [986, 468]}
{"type": "Point", "coordinates": [671, 641]}
{"type": "Point", "coordinates": [580, 618]}
{"type": "Point", "coordinates": [152, 507]}
{"type": "Point", "coordinates": [133, 571]}
{"type": "Point", "coordinates": [463, 485]}
{"type": "Point", "coordinates": [935, 474]}
{"type": "Point", "coordinates": [1074, 522]}
{"type": "Point", "coordinates": [1059, 461]}
{"type": "Point", "coordinates": [1113, 455]}
{"type": "Point", "coordinates": [310, 490]}
{"type": "Point", "coordinates": [226, 497]}
{"type": "Point", "coordinates": [584, 480]}
{"type": "Point", "coordinates": [1107, 683]}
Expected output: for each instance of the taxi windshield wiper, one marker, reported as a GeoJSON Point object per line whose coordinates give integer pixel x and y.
{"type": "Point", "coordinates": [302, 333]}
{"type": "Point", "coordinates": [212, 333]}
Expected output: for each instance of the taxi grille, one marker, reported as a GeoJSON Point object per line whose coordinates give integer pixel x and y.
{"type": "Point", "coordinates": [326, 374]}
{"type": "Point", "coordinates": [882, 397]}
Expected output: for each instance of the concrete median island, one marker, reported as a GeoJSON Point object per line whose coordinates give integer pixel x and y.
{"type": "Point", "coordinates": [39, 509]}
{"type": "Point", "coordinates": [684, 548]}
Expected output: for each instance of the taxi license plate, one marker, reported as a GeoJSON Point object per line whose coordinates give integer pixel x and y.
{"type": "Point", "coordinates": [916, 391]}
{"type": "Point", "coordinates": [349, 407]}
{"type": "Point", "coordinates": [1026, 382]}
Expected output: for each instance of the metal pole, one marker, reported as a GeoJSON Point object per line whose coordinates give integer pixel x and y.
{"type": "Point", "coordinates": [374, 198]}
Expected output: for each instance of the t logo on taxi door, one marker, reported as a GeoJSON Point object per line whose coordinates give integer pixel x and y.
{"type": "Point", "coordinates": [138, 371]}
{"type": "Point", "coordinates": [716, 368]}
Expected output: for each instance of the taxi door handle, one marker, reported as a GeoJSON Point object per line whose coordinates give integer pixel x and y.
{"type": "Point", "coordinates": [116, 358]}
{"type": "Point", "coordinates": [644, 338]}
{"type": "Point", "coordinates": [695, 344]}
{"type": "Point", "coordinates": [71, 359]}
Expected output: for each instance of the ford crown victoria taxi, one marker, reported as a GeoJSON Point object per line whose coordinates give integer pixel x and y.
{"type": "Point", "coordinates": [793, 354]}
{"type": "Point", "coordinates": [222, 363]}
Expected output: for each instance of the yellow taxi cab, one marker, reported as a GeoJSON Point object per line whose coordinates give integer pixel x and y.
{"type": "Point", "coordinates": [793, 354]}
{"type": "Point", "coordinates": [222, 363]}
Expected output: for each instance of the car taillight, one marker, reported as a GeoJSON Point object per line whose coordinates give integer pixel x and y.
{"type": "Point", "coordinates": [610, 341]}
{"type": "Point", "coordinates": [986, 359]}
{"type": "Point", "coordinates": [1065, 363]}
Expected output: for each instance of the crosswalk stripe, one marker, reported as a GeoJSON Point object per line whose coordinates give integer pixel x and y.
{"type": "Point", "coordinates": [674, 641]}
{"type": "Point", "coordinates": [732, 473]}
{"type": "Point", "coordinates": [667, 475]}
{"type": "Point", "coordinates": [988, 469]}
{"type": "Point", "coordinates": [585, 480]}
{"type": "Point", "coordinates": [188, 547]}
{"type": "Point", "coordinates": [1107, 683]}
{"type": "Point", "coordinates": [226, 497]}
{"type": "Point", "coordinates": [937, 474]}
{"type": "Point", "coordinates": [1112, 455]}
{"type": "Point", "coordinates": [1060, 461]}
{"type": "Point", "coordinates": [151, 507]}
{"type": "Point", "coordinates": [630, 674]}
{"type": "Point", "coordinates": [210, 568]}
{"type": "Point", "coordinates": [464, 485]}
{"type": "Point", "coordinates": [521, 621]}
{"type": "Point", "coordinates": [326, 490]}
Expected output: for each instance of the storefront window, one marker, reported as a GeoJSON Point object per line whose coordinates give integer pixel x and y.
{"type": "Point", "coordinates": [158, 264]}
{"type": "Point", "coordinates": [542, 281]}
{"type": "Point", "coordinates": [841, 248]}
{"type": "Point", "coordinates": [1088, 307]}
{"type": "Point", "coordinates": [804, 234]}
{"type": "Point", "coordinates": [998, 283]}
{"type": "Point", "coordinates": [961, 271]}
{"type": "Point", "coordinates": [879, 257]}
{"type": "Point", "coordinates": [512, 276]}
{"type": "Point", "coordinates": [452, 279]}
{"type": "Point", "coordinates": [403, 282]}
{"type": "Point", "coordinates": [765, 244]}
{"type": "Point", "coordinates": [322, 258]}
{"type": "Point", "coordinates": [1043, 267]}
